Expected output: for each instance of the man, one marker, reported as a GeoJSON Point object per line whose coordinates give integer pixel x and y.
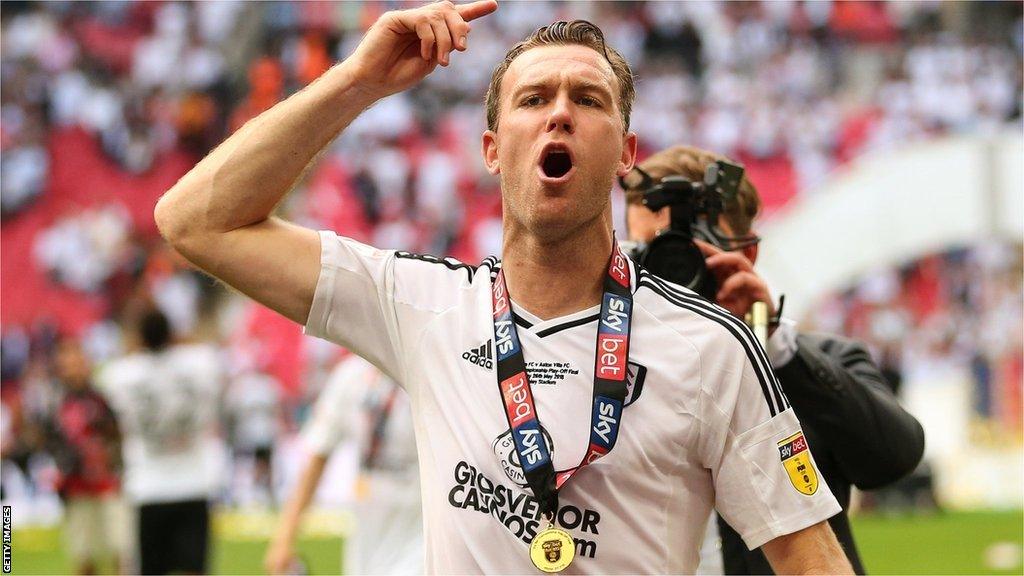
{"type": "Point", "coordinates": [359, 403]}
{"type": "Point", "coordinates": [858, 433]}
{"type": "Point", "coordinates": [252, 407]}
{"type": "Point", "coordinates": [512, 475]}
{"type": "Point", "coordinates": [87, 451]}
{"type": "Point", "coordinates": [166, 397]}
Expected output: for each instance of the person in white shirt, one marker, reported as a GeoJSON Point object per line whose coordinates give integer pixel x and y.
{"type": "Point", "coordinates": [500, 361]}
{"type": "Point", "coordinates": [252, 407]}
{"type": "Point", "coordinates": [166, 398]}
{"type": "Point", "coordinates": [360, 403]}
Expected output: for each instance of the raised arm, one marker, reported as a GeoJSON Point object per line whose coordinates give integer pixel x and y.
{"type": "Point", "coordinates": [219, 215]}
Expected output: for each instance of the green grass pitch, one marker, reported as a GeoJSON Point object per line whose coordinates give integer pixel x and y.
{"type": "Point", "coordinates": [949, 543]}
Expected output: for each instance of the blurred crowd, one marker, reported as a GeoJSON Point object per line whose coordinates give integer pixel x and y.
{"type": "Point", "coordinates": [108, 103]}
{"type": "Point", "coordinates": [955, 312]}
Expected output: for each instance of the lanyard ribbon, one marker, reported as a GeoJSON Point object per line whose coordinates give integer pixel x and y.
{"type": "Point", "coordinates": [609, 383]}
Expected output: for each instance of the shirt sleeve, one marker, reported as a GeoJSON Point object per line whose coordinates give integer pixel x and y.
{"type": "Point", "coordinates": [782, 345]}
{"type": "Point", "coordinates": [766, 482]}
{"type": "Point", "coordinates": [377, 303]}
{"type": "Point", "coordinates": [354, 301]}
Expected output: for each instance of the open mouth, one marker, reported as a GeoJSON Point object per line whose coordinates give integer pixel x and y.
{"type": "Point", "coordinates": [556, 162]}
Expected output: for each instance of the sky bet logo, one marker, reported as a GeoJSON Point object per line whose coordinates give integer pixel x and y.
{"type": "Point", "coordinates": [606, 421]}
{"type": "Point", "coordinates": [525, 428]}
{"type": "Point", "coordinates": [504, 337]}
{"type": "Point", "coordinates": [612, 336]}
{"type": "Point", "coordinates": [619, 269]}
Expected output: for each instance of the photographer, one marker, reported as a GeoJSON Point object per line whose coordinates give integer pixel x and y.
{"type": "Point", "coordinates": [859, 434]}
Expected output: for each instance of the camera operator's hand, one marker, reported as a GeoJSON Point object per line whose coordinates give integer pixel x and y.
{"type": "Point", "coordinates": [403, 46]}
{"type": "Point", "coordinates": [738, 285]}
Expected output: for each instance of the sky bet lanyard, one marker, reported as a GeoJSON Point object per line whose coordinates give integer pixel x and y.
{"type": "Point", "coordinates": [609, 384]}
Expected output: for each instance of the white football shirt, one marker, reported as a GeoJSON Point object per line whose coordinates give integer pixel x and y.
{"type": "Point", "coordinates": [167, 404]}
{"type": "Point", "coordinates": [362, 405]}
{"type": "Point", "coordinates": [253, 401]}
{"type": "Point", "coordinates": [705, 421]}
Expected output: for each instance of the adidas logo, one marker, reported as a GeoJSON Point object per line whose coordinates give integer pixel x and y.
{"type": "Point", "coordinates": [482, 355]}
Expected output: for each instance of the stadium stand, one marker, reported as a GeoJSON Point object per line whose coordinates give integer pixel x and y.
{"type": "Point", "coordinates": [105, 105]}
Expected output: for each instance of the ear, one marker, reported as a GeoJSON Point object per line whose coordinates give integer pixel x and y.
{"type": "Point", "coordinates": [490, 152]}
{"type": "Point", "coordinates": [751, 252]}
{"type": "Point", "coordinates": [628, 159]}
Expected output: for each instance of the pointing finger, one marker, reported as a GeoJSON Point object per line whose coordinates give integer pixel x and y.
{"type": "Point", "coordinates": [474, 10]}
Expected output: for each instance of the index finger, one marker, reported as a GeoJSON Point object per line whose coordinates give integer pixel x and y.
{"type": "Point", "coordinates": [474, 10]}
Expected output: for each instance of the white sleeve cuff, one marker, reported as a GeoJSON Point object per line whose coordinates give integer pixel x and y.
{"type": "Point", "coordinates": [782, 343]}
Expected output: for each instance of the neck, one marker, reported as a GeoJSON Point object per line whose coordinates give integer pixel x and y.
{"type": "Point", "coordinates": [557, 277]}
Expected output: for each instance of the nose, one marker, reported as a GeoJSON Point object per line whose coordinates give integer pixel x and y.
{"type": "Point", "coordinates": [561, 118]}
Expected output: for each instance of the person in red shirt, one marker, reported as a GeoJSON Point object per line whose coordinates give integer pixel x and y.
{"type": "Point", "coordinates": [87, 448]}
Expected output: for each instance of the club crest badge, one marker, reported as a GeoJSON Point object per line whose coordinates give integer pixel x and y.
{"type": "Point", "coordinates": [505, 449]}
{"type": "Point", "coordinates": [635, 376]}
{"type": "Point", "coordinates": [797, 459]}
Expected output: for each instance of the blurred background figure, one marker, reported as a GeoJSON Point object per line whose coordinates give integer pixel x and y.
{"type": "Point", "coordinates": [253, 415]}
{"type": "Point", "coordinates": [361, 404]}
{"type": "Point", "coordinates": [906, 106]}
{"type": "Point", "coordinates": [87, 448]}
{"type": "Point", "coordinates": [167, 397]}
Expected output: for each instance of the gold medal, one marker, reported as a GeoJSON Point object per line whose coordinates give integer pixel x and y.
{"type": "Point", "coordinates": [552, 549]}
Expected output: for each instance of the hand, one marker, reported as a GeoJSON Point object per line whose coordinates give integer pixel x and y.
{"type": "Point", "coordinates": [279, 557]}
{"type": "Point", "coordinates": [738, 285]}
{"type": "Point", "coordinates": [403, 46]}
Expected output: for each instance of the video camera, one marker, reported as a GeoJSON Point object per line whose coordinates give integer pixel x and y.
{"type": "Point", "coordinates": [694, 208]}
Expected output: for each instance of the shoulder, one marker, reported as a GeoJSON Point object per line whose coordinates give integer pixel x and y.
{"type": "Point", "coordinates": [723, 341]}
{"type": "Point", "coordinates": [206, 354]}
{"type": "Point", "coordinates": [437, 283]}
{"type": "Point", "coordinates": [834, 345]}
{"type": "Point", "coordinates": [429, 264]}
{"type": "Point", "coordinates": [690, 314]}
{"type": "Point", "coordinates": [126, 367]}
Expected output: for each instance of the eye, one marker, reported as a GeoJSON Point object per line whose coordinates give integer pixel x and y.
{"type": "Point", "coordinates": [532, 100]}
{"type": "Point", "coordinates": [589, 101]}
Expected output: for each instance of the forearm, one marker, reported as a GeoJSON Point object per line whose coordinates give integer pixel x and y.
{"type": "Point", "coordinates": [241, 182]}
{"type": "Point", "coordinates": [299, 500]}
{"type": "Point", "coordinates": [813, 550]}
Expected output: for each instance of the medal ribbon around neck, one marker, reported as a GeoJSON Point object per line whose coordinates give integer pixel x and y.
{"type": "Point", "coordinates": [609, 383]}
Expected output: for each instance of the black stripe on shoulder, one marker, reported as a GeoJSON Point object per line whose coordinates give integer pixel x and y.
{"type": "Point", "coordinates": [776, 400]}
{"type": "Point", "coordinates": [749, 339]}
{"type": "Point", "coordinates": [449, 263]}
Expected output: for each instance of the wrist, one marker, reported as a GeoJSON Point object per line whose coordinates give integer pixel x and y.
{"type": "Point", "coordinates": [350, 84]}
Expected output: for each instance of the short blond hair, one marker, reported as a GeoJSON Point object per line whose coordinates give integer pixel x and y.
{"type": "Point", "coordinates": [578, 32]}
{"type": "Point", "coordinates": [691, 162]}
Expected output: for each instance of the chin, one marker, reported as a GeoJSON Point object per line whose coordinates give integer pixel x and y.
{"type": "Point", "coordinates": [556, 220]}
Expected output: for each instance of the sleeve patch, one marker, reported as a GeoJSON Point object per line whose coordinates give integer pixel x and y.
{"type": "Point", "coordinates": [796, 458]}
